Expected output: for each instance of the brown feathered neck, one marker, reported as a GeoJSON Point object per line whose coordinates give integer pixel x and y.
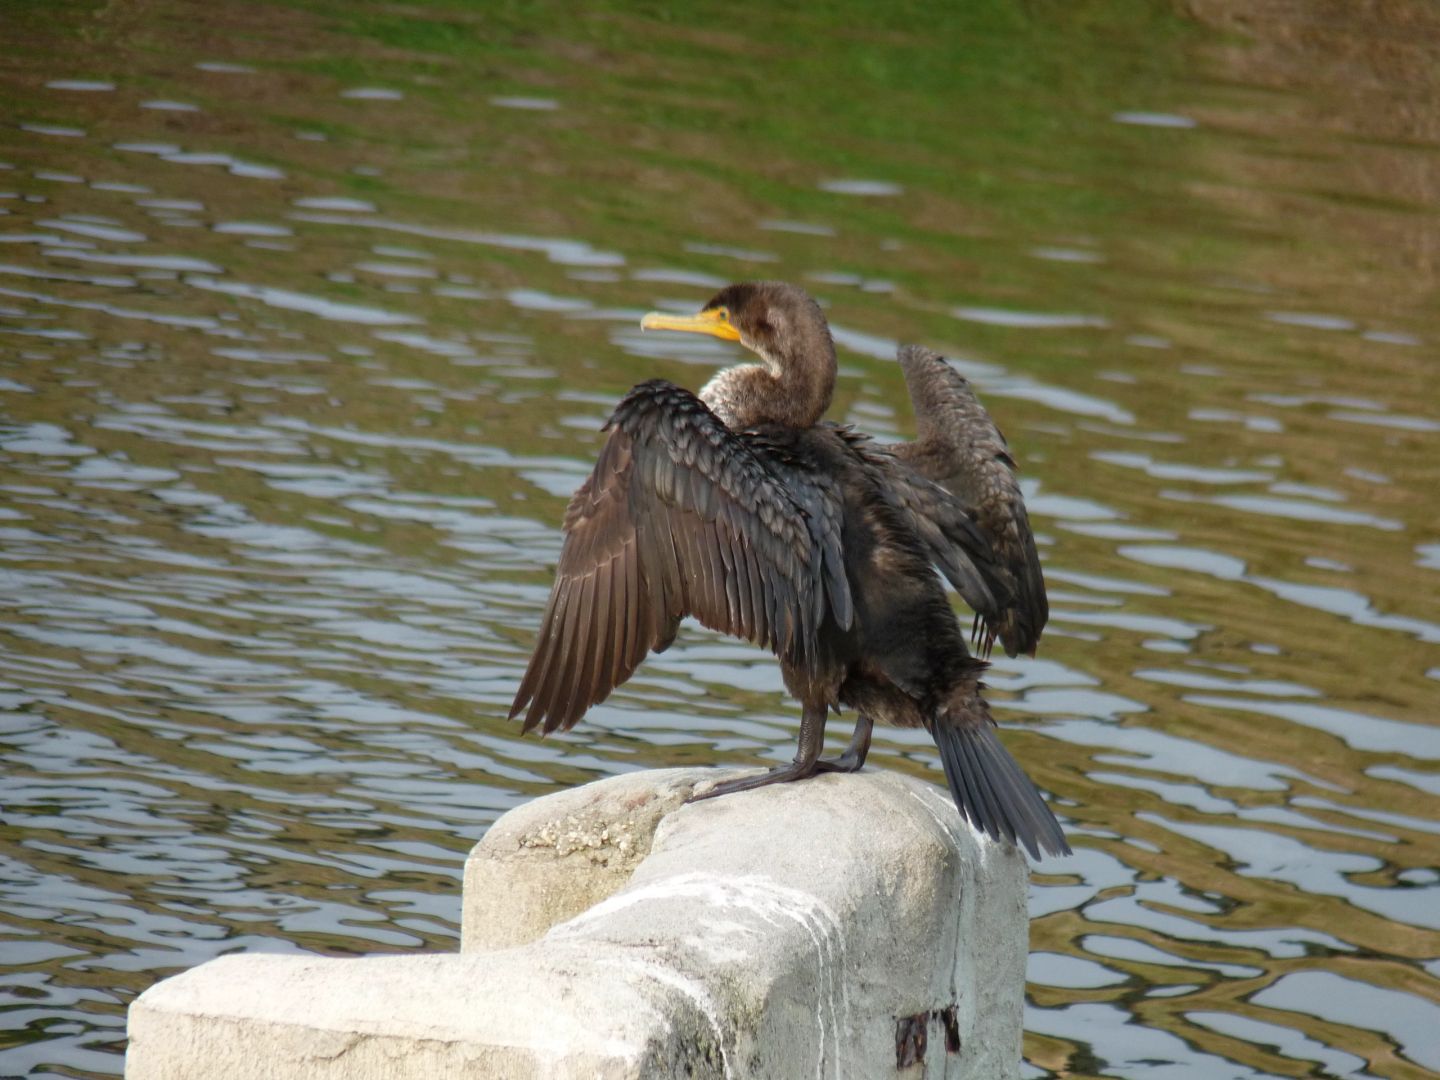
{"type": "Point", "coordinates": [795, 379]}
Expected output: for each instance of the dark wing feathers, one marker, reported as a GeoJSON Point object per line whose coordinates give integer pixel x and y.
{"type": "Point", "coordinates": [681, 517]}
{"type": "Point", "coordinates": [959, 447]}
{"type": "Point", "coordinates": [952, 539]}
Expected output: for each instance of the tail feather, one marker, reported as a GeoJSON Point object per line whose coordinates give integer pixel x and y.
{"type": "Point", "coordinates": [997, 810]}
{"type": "Point", "coordinates": [992, 791]}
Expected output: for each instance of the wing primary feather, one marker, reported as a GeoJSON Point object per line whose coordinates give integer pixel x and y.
{"type": "Point", "coordinates": [710, 593]}
{"type": "Point", "coordinates": [702, 595]}
{"type": "Point", "coordinates": [731, 569]}
{"type": "Point", "coordinates": [571, 690]}
{"type": "Point", "coordinates": [768, 609]}
{"type": "Point", "coordinates": [557, 680]}
{"type": "Point", "coordinates": [721, 580]}
{"type": "Point", "coordinates": [740, 561]}
{"type": "Point", "coordinates": [603, 628]}
{"type": "Point", "coordinates": [615, 617]}
{"type": "Point", "coordinates": [672, 591]}
{"type": "Point", "coordinates": [548, 664]}
{"type": "Point", "coordinates": [633, 607]}
{"type": "Point", "coordinates": [688, 562]}
{"type": "Point", "coordinates": [759, 624]}
{"type": "Point", "coordinates": [759, 617]}
{"type": "Point", "coordinates": [526, 690]}
{"type": "Point", "coordinates": [660, 542]}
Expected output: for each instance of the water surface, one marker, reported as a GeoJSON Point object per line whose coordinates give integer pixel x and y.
{"type": "Point", "coordinates": [310, 315]}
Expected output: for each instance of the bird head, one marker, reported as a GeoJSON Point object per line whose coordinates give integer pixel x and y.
{"type": "Point", "coordinates": [778, 322]}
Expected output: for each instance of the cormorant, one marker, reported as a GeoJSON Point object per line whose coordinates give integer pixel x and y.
{"type": "Point", "coordinates": [743, 508]}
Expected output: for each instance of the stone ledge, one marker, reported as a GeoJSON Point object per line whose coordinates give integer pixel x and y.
{"type": "Point", "coordinates": [613, 931]}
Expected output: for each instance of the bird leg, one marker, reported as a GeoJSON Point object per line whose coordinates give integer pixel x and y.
{"type": "Point", "coordinates": [807, 758]}
{"type": "Point", "coordinates": [853, 759]}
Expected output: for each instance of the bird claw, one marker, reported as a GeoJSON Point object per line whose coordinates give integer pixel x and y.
{"type": "Point", "coordinates": [845, 763]}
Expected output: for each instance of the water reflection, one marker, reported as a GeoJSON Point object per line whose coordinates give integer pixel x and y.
{"type": "Point", "coordinates": [301, 361]}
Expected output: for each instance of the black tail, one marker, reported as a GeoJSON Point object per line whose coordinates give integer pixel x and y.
{"type": "Point", "coordinates": [991, 789]}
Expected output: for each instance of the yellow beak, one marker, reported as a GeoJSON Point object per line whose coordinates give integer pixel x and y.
{"type": "Point", "coordinates": [715, 322]}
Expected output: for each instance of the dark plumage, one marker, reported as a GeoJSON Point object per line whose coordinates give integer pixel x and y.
{"type": "Point", "coordinates": [959, 447]}
{"type": "Point", "coordinates": [742, 508]}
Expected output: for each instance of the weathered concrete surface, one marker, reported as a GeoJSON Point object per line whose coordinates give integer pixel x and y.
{"type": "Point", "coordinates": [781, 932]}
{"type": "Point", "coordinates": [551, 859]}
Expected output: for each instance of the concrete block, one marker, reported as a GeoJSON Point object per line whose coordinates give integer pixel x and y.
{"type": "Point", "coordinates": [612, 931]}
{"type": "Point", "coordinates": [550, 859]}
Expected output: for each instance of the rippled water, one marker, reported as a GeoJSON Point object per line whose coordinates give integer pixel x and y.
{"type": "Point", "coordinates": [309, 317]}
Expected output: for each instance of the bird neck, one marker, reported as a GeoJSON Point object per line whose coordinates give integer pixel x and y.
{"type": "Point", "coordinates": [792, 392]}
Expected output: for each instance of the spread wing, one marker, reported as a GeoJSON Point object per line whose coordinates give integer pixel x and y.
{"type": "Point", "coordinates": [952, 540]}
{"type": "Point", "coordinates": [959, 447]}
{"type": "Point", "coordinates": [681, 516]}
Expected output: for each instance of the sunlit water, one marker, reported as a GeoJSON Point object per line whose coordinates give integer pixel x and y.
{"type": "Point", "coordinates": [299, 360]}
